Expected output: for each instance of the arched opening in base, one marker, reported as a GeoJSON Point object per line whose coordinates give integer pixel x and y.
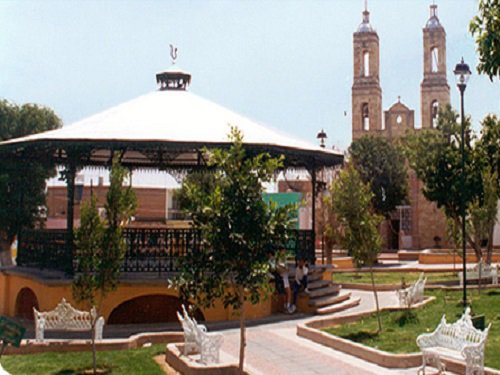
{"type": "Point", "coordinates": [155, 308]}
{"type": "Point", "coordinates": [25, 301]}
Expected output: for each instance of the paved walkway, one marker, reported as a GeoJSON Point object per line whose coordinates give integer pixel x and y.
{"type": "Point", "coordinates": [275, 348]}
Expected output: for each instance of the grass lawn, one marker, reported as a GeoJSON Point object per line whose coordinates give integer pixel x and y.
{"type": "Point", "coordinates": [390, 277]}
{"type": "Point", "coordinates": [125, 362]}
{"type": "Point", "coordinates": [399, 336]}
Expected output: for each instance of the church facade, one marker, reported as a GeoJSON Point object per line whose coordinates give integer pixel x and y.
{"type": "Point", "coordinates": [418, 224]}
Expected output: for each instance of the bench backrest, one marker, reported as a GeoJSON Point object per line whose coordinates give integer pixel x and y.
{"type": "Point", "coordinates": [460, 334]}
{"type": "Point", "coordinates": [66, 317]}
{"type": "Point", "coordinates": [419, 285]}
{"type": "Point", "coordinates": [417, 289]}
{"type": "Point", "coordinates": [485, 268]}
{"type": "Point", "coordinates": [186, 327]}
{"type": "Point", "coordinates": [189, 325]}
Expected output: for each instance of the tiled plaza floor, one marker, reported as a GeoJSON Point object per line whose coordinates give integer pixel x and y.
{"type": "Point", "coordinates": [275, 349]}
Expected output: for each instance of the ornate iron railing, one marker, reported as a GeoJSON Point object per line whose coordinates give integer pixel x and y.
{"type": "Point", "coordinates": [148, 249]}
{"type": "Point", "coordinates": [44, 249]}
{"type": "Point", "coordinates": [301, 244]}
{"type": "Point", "coordinates": [157, 250]}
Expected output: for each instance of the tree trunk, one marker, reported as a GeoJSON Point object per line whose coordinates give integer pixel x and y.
{"type": "Point", "coordinates": [243, 342]}
{"type": "Point", "coordinates": [94, 322]}
{"type": "Point", "coordinates": [5, 255]}
{"type": "Point", "coordinates": [480, 275]}
{"type": "Point", "coordinates": [94, 357]}
{"type": "Point", "coordinates": [489, 249]}
{"type": "Point", "coordinates": [376, 300]}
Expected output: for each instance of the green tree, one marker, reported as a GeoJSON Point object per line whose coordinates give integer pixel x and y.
{"type": "Point", "coordinates": [435, 156]}
{"type": "Point", "coordinates": [237, 230]}
{"type": "Point", "coordinates": [487, 151]}
{"type": "Point", "coordinates": [351, 200]}
{"type": "Point", "coordinates": [485, 27]}
{"type": "Point", "coordinates": [203, 179]}
{"type": "Point", "coordinates": [381, 164]}
{"type": "Point", "coordinates": [22, 183]}
{"type": "Point", "coordinates": [100, 246]}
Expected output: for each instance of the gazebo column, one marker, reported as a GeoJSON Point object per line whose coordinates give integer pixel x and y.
{"type": "Point", "coordinates": [70, 175]}
{"type": "Point", "coordinates": [314, 188]}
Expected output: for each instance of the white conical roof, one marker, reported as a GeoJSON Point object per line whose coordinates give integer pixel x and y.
{"type": "Point", "coordinates": [178, 122]}
{"type": "Point", "coordinates": [170, 116]}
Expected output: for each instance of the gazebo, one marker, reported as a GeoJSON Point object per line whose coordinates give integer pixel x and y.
{"type": "Point", "coordinates": [164, 130]}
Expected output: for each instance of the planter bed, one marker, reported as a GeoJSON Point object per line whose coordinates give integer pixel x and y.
{"type": "Point", "coordinates": [397, 347]}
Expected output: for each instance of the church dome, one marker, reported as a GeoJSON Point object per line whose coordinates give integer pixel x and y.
{"type": "Point", "coordinates": [365, 26]}
{"type": "Point", "coordinates": [433, 21]}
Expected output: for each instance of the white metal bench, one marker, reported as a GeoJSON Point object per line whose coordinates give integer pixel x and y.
{"type": "Point", "coordinates": [2, 371]}
{"type": "Point", "coordinates": [459, 341]}
{"type": "Point", "coordinates": [66, 318]}
{"type": "Point", "coordinates": [198, 340]}
{"type": "Point", "coordinates": [414, 293]}
{"type": "Point", "coordinates": [190, 345]}
{"type": "Point", "coordinates": [480, 270]}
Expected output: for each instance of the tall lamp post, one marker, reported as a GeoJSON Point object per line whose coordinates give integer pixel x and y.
{"type": "Point", "coordinates": [462, 74]}
{"type": "Point", "coordinates": [319, 184]}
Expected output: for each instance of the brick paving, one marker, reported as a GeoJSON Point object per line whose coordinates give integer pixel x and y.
{"type": "Point", "coordinates": [275, 348]}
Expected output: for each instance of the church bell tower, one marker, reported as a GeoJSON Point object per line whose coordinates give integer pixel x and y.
{"type": "Point", "coordinates": [366, 91]}
{"type": "Point", "coordinates": [434, 89]}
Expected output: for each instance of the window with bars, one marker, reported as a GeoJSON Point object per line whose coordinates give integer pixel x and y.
{"type": "Point", "coordinates": [405, 218]}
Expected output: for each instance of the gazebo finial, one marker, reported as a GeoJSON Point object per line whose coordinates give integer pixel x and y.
{"type": "Point", "coordinates": [173, 53]}
{"type": "Point", "coordinates": [173, 78]}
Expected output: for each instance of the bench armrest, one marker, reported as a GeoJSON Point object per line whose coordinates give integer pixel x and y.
{"type": "Point", "coordinates": [201, 327]}
{"type": "Point", "coordinates": [39, 328]}
{"type": "Point", "coordinates": [426, 340]}
{"type": "Point", "coordinates": [213, 339]}
{"type": "Point", "coordinates": [473, 353]}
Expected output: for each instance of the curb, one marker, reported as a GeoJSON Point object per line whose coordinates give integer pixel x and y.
{"type": "Point", "coordinates": [186, 366]}
{"type": "Point", "coordinates": [133, 342]}
{"type": "Point", "coordinates": [311, 331]}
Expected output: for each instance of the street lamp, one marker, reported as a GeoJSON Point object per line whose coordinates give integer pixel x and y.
{"type": "Point", "coordinates": [322, 136]}
{"type": "Point", "coordinates": [462, 74]}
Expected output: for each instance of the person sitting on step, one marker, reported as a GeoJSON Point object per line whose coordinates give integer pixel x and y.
{"type": "Point", "coordinates": [301, 272]}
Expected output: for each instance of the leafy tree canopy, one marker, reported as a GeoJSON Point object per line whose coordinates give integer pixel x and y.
{"type": "Point", "coordinates": [435, 155]}
{"type": "Point", "coordinates": [381, 165]}
{"type": "Point", "coordinates": [100, 246]}
{"type": "Point", "coordinates": [351, 200]}
{"type": "Point", "coordinates": [22, 183]}
{"type": "Point", "coordinates": [237, 230]}
{"type": "Point", "coordinates": [204, 180]}
{"type": "Point", "coordinates": [485, 27]}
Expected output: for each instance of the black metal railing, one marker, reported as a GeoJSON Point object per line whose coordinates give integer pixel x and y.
{"type": "Point", "coordinates": [148, 249]}
{"type": "Point", "coordinates": [157, 250]}
{"type": "Point", "coordinates": [44, 249]}
{"type": "Point", "coordinates": [301, 245]}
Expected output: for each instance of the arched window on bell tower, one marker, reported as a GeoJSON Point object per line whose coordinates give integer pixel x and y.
{"type": "Point", "coordinates": [365, 116]}
{"type": "Point", "coordinates": [434, 59]}
{"type": "Point", "coordinates": [434, 113]}
{"type": "Point", "coordinates": [366, 64]}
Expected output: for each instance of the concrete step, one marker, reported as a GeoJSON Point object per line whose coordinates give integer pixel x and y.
{"type": "Point", "coordinates": [347, 304]}
{"type": "Point", "coordinates": [313, 278]}
{"type": "Point", "coordinates": [332, 289]}
{"type": "Point", "coordinates": [312, 285]}
{"type": "Point", "coordinates": [317, 269]}
{"type": "Point", "coordinates": [328, 300]}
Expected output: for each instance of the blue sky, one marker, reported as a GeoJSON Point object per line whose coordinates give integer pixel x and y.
{"type": "Point", "coordinates": [284, 63]}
